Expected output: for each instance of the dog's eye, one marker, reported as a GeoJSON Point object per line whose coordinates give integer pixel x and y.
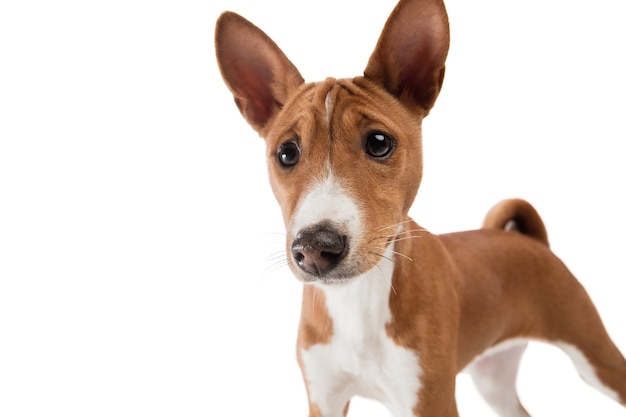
{"type": "Point", "coordinates": [378, 145]}
{"type": "Point", "coordinates": [288, 154]}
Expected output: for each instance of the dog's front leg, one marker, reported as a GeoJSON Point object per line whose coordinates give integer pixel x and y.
{"type": "Point", "coordinates": [315, 411]}
{"type": "Point", "coordinates": [328, 389]}
{"type": "Point", "coordinates": [328, 401]}
{"type": "Point", "coordinates": [329, 396]}
{"type": "Point", "coordinates": [436, 399]}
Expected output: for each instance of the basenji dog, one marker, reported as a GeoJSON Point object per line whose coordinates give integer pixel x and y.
{"type": "Point", "coordinates": [390, 311]}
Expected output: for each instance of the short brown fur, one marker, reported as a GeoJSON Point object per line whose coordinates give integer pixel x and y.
{"type": "Point", "coordinates": [454, 296]}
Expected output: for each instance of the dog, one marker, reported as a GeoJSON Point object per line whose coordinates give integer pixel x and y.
{"type": "Point", "coordinates": [390, 311]}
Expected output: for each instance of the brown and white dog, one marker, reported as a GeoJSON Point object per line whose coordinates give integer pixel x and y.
{"type": "Point", "coordinates": [391, 311]}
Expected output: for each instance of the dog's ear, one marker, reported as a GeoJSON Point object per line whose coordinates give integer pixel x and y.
{"type": "Point", "coordinates": [255, 70]}
{"type": "Point", "coordinates": [409, 59]}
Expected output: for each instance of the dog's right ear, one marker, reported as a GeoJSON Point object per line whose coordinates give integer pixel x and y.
{"type": "Point", "coordinates": [255, 70]}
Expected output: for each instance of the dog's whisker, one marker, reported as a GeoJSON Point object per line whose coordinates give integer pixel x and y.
{"type": "Point", "coordinates": [381, 256]}
{"type": "Point", "coordinates": [378, 229]}
{"type": "Point", "coordinates": [402, 255]}
{"type": "Point", "coordinates": [279, 255]}
{"type": "Point", "coordinates": [386, 278]}
{"type": "Point", "coordinates": [281, 244]}
{"type": "Point", "coordinates": [395, 252]}
{"type": "Point", "coordinates": [397, 234]}
{"type": "Point", "coordinates": [398, 239]}
{"type": "Point", "coordinates": [404, 232]}
{"type": "Point", "coordinates": [272, 269]}
{"type": "Point", "coordinates": [384, 245]}
{"type": "Point", "coordinates": [275, 267]}
{"type": "Point", "coordinates": [392, 225]}
{"type": "Point", "coordinates": [276, 256]}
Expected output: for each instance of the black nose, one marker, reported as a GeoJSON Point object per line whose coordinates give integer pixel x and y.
{"type": "Point", "coordinates": [317, 250]}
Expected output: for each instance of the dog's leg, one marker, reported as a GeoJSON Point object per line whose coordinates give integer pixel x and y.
{"type": "Point", "coordinates": [315, 411]}
{"type": "Point", "coordinates": [599, 363]}
{"type": "Point", "coordinates": [330, 396]}
{"type": "Point", "coordinates": [495, 375]}
{"type": "Point", "coordinates": [574, 325]}
{"type": "Point", "coordinates": [570, 320]}
{"type": "Point", "coordinates": [577, 329]}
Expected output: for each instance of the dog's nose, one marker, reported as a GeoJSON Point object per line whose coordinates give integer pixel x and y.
{"type": "Point", "coordinates": [319, 249]}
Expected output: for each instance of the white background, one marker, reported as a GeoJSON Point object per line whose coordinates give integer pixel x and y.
{"type": "Point", "coordinates": [136, 220]}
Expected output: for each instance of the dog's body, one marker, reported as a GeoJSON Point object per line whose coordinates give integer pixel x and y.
{"type": "Point", "coordinates": [390, 311]}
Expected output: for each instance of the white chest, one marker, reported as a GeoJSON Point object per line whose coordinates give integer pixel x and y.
{"type": "Point", "coordinates": [360, 358]}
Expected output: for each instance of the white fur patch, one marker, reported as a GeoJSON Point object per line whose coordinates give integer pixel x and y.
{"type": "Point", "coordinates": [328, 104]}
{"type": "Point", "coordinates": [495, 373]}
{"type": "Point", "coordinates": [584, 368]}
{"type": "Point", "coordinates": [327, 201]}
{"type": "Point", "coordinates": [360, 358]}
{"type": "Point", "coordinates": [496, 349]}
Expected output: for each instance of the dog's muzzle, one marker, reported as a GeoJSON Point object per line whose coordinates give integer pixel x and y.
{"type": "Point", "coordinates": [318, 249]}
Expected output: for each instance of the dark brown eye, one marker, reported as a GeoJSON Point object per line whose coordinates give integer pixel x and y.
{"type": "Point", "coordinates": [288, 154]}
{"type": "Point", "coordinates": [378, 145]}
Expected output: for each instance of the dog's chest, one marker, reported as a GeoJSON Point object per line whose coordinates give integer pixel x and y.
{"type": "Point", "coordinates": [361, 359]}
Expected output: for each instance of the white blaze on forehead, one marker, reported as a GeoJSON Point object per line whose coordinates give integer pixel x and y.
{"type": "Point", "coordinates": [328, 104]}
{"type": "Point", "coordinates": [327, 201]}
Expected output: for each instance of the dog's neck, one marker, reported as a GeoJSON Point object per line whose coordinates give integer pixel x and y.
{"type": "Point", "coordinates": [360, 356]}
{"type": "Point", "coordinates": [360, 311]}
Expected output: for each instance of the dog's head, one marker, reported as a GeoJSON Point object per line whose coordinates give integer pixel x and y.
{"type": "Point", "coordinates": [344, 156]}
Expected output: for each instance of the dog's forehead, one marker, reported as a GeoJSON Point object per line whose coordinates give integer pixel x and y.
{"type": "Point", "coordinates": [338, 109]}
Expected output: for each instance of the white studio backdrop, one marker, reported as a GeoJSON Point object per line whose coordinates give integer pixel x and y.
{"type": "Point", "coordinates": [138, 233]}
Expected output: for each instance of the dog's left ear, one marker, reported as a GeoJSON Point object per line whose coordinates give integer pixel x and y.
{"type": "Point", "coordinates": [255, 70]}
{"type": "Point", "coordinates": [409, 59]}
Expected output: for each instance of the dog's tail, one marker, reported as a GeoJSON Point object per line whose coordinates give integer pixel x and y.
{"type": "Point", "coordinates": [519, 216]}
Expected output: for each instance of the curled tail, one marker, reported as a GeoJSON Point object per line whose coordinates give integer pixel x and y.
{"type": "Point", "coordinates": [517, 215]}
